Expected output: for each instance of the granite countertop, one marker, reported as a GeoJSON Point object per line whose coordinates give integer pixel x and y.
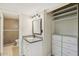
{"type": "Point", "coordinates": [32, 39]}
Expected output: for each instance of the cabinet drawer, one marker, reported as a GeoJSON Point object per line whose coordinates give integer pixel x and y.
{"type": "Point", "coordinates": [70, 40]}
{"type": "Point", "coordinates": [56, 51]}
{"type": "Point", "coordinates": [69, 52]}
{"type": "Point", "coordinates": [66, 54]}
{"type": "Point", "coordinates": [56, 48]}
{"type": "Point", "coordinates": [55, 43]}
{"type": "Point", "coordinates": [56, 37]}
{"type": "Point", "coordinates": [70, 46]}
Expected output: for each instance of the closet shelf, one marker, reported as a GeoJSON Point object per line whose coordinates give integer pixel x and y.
{"type": "Point", "coordinates": [65, 10]}
{"type": "Point", "coordinates": [11, 30]}
{"type": "Point", "coordinates": [67, 18]}
{"type": "Point", "coordinates": [67, 35]}
{"type": "Point", "coordinates": [66, 14]}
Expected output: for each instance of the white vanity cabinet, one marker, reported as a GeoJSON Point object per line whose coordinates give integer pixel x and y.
{"type": "Point", "coordinates": [32, 48]}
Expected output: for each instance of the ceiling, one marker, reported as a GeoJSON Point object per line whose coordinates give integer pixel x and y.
{"type": "Point", "coordinates": [29, 8]}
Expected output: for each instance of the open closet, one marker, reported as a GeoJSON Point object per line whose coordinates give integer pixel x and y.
{"type": "Point", "coordinates": [65, 30]}
{"type": "Point", "coordinates": [9, 32]}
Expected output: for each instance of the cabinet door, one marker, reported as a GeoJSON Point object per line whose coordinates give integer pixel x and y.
{"type": "Point", "coordinates": [32, 49]}
{"type": "Point", "coordinates": [1, 33]}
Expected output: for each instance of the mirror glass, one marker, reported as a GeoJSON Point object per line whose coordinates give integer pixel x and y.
{"type": "Point", "coordinates": [37, 26]}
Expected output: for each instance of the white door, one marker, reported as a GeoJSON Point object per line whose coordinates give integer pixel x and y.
{"type": "Point", "coordinates": [1, 33]}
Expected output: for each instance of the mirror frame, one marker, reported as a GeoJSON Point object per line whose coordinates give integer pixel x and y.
{"type": "Point", "coordinates": [40, 27]}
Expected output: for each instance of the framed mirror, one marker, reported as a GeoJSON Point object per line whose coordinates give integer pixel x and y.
{"type": "Point", "coordinates": [37, 27]}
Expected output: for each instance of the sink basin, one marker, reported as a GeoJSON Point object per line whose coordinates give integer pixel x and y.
{"type": "Point", "coordinates": [32, 39]}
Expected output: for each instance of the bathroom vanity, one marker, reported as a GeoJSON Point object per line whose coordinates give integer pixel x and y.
{"type": "Point", "coordinates": [32, 46]}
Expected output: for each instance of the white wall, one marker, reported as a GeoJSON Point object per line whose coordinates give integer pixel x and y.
{"type": "Point", "coordinates": [25, 29]}
{"type": "Point", "coordinates": [47, 34]}
{"type": "Point", "coordinates": [0, 35]}
{"type": "Point", "coordinates": [26, 25]}
{"type": "Point", "coordinates": [46, 26]}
